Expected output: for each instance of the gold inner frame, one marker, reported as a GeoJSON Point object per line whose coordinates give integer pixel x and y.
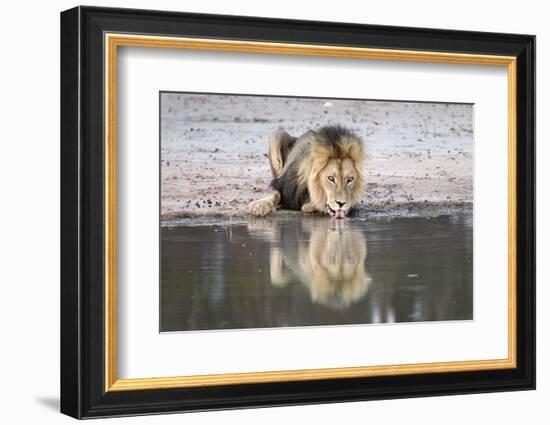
{"type": "Point", "coordinates": [113, 41]}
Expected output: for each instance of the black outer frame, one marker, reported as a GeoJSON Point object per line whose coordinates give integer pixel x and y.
{"type": "Point", "coordinates": [82, 206]}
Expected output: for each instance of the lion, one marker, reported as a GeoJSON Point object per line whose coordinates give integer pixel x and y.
{"type": "Point", "coordinates": [319, 171]}
{"type": "Point", "coordinates": [327, 257]}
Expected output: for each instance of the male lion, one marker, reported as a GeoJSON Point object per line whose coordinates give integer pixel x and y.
{"type": "Point", "coordinates": [318, 171]}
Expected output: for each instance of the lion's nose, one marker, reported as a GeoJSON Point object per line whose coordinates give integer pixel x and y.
{"type": "Point", "coordinates": [340, 203]}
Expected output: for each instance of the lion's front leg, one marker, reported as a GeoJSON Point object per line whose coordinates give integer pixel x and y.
{"type": "Point", "coordinates": [265, 205]}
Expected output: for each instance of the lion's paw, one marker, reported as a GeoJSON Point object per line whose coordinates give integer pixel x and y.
{"type": "Point", "coordinates": [260, 207]}
{"type": "Point", "coordinates": [308, 208]}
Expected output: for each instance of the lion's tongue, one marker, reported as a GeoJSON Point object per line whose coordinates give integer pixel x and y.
{"type": "Point", "coordinates": [339, 214]}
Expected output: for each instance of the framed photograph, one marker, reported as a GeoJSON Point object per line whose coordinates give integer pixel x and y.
{"type": "Point", "coordinates": [261, 212]}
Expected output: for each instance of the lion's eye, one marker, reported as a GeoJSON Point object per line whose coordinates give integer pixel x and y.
{"type": "Point", "coordinates": [350, 179]}
{"type": "Point", "coordinates": [331, 179]}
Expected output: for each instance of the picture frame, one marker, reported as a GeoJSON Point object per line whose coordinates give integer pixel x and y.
{"type": "Point", "coordinates": [90, 40]}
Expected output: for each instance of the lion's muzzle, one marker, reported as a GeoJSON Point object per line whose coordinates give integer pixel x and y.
{"type": "Point", "coordinates": [336, 213]}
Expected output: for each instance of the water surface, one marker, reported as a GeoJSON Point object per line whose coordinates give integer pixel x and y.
{"type": "Point", "coordinates": [311, 270]}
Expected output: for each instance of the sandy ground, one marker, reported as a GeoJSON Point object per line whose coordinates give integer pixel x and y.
{"type": "Point", "coordinates": [214, 150]}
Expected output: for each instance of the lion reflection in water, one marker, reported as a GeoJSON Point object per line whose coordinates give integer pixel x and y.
{"type": "Point", "coordinates": [327, 256]}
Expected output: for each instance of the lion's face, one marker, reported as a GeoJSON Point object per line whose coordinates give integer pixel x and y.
{"type": "Point", "coordinates": [339, 180]}
{"type": "Point", "coordinates": [334, 180]}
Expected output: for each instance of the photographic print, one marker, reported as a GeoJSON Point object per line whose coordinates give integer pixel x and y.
{"type": "Point", "coordinates": [255, 183]}
{"type": "Point", "coordinates": [293, 211]}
